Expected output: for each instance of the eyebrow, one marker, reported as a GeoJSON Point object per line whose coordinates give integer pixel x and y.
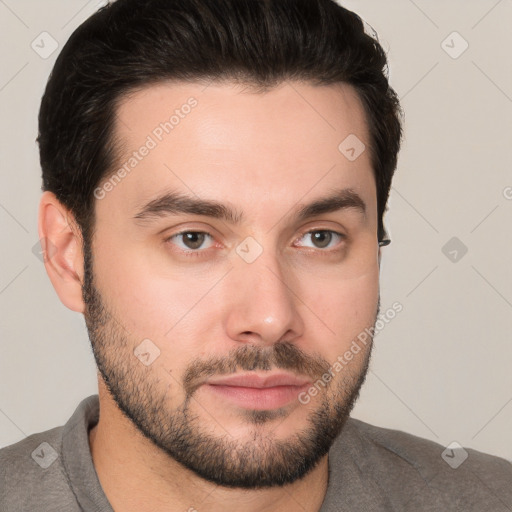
{"type": "Point", "coordinates": [175, 203]}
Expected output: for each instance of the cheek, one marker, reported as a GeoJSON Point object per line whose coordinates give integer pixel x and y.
{"type": "Point", "coordinates": [145, 303]}
{"type": "Point", "coordinates": [179, 309]}
{"type": "Point", "coordinates": [347, 308]}
{"type": "Point", "coordinates": [173, 310]}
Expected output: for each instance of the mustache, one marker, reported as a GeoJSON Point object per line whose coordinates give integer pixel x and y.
{"type": "Point", "coordinates": [285, 356]}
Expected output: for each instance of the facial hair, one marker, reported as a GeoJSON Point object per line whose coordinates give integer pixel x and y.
{"type": "Point", "coordinates": [260, 460]}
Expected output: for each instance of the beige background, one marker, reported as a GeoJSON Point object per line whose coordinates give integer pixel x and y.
{"type": "Point", "coordinates": [442, 367]}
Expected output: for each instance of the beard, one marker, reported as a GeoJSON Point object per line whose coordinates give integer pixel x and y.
{"type": "Point", "coordinates": [260, 460]}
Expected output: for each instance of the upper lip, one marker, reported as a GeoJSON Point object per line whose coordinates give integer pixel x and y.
{"type": "Point", "coordinates": [259, 380]}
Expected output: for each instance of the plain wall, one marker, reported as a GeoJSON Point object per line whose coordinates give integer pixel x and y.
{"type": "Point", "coordinates": [441, 369]}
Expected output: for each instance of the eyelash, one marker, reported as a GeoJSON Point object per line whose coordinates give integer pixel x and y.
{"type": "Point", "coordinates": [190, 253]}
{"type": "Point", "coordinates": [200, 252]}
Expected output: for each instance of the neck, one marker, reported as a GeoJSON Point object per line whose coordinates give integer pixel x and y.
{"type": "Point", "coordinates": [137, 476]}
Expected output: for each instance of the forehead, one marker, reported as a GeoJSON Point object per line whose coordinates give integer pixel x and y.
{"type": "Point", "coordinates": [233, 144]}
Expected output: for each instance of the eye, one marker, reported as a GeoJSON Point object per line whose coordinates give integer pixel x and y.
{"type": "Point", "coordinates": [192, 240]}
{"type": "Point", "coordinates": [322, 239]}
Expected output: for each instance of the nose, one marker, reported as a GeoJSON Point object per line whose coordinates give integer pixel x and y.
{"type": "Point", "coordinates": [262, 304]}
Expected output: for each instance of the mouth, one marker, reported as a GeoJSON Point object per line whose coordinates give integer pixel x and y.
{"type": "Point", "coordinates": [258, 391]}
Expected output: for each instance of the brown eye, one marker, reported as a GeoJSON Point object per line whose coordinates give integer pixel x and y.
{"type": "Point", "coordinates": [192, 240]}
{"type": "Point", "coordinates": [321, 239]}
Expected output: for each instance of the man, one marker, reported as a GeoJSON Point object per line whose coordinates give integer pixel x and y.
{"type": "Point", "coordinates": [216, 174]}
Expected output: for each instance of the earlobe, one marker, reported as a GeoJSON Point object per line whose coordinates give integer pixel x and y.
{"type": "Point", "coordinates": [61, 242]}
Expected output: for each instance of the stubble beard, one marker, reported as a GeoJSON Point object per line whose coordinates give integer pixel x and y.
{"type": "Point", "coordinates": [261, 460]}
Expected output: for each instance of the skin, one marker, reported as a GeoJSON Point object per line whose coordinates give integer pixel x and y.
{"type": "Point", "coordinates": [264, 155]}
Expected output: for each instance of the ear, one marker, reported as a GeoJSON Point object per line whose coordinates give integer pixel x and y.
{"type": "Point", "coordinates": [61, 242]}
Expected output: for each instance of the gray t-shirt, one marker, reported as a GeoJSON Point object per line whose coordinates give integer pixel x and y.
{"type": "Point", "coordinates": [370, 469]}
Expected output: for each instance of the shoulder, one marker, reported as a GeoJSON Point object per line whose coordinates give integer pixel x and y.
{"type": "Point", "coordinates": [423, 473]}
{"type": "Point", "coordinates": [33, 477]}
{"type": "Point", "coordinates": [34, 473]}
{"type": "Point", "coordinates": [35, 452]}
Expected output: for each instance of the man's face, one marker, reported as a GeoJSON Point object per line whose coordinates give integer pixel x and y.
{"type": "Point", "coordinates": [209, 321]}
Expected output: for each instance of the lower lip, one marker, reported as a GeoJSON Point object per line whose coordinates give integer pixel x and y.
{"type": "Point", "coordinates": [258, 398]}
